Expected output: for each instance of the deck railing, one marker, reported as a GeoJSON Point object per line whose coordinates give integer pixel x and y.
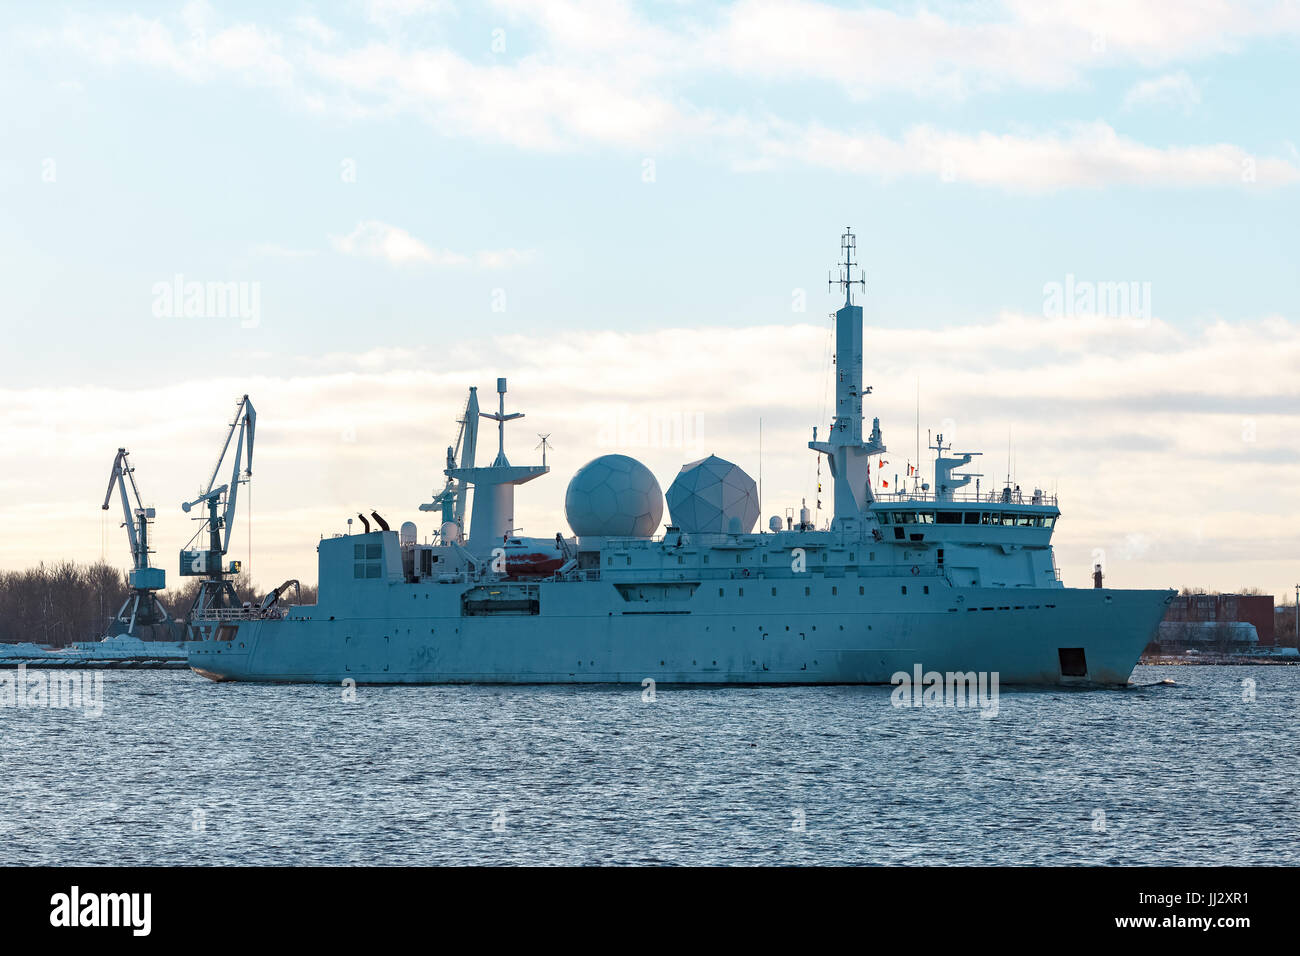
{"type": "Point", "coordinates": [969, 497]}
{"type": "Point", "coordinates": [233, 614]}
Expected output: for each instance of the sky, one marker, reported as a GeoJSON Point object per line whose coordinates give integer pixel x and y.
{"type": "Point", "coordinates": [1078, 223]}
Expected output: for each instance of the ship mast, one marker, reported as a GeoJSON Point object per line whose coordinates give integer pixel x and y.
{"type": "Point", "coordinates": [493, 514]}
{"type": "Point", "coordinates": [849, 455]}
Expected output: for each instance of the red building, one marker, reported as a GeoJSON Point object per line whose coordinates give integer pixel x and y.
{"type": "Point", "coordinates": [1256, 609]}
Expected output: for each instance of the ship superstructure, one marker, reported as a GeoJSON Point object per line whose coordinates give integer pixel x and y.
{"type": "Point", "coordinates": [936, 577]}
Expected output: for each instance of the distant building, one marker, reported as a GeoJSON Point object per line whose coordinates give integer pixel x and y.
{"type": "Point", "coordinates": [1225, 618]}
{"type": "Point", "coordinates": [1284, 619]}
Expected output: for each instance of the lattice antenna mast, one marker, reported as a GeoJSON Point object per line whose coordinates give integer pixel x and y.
{"type": "Point", "coordinates": [846, 280]}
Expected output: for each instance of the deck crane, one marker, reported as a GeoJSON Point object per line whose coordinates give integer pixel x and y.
{"type": "Point", "coordinates": [216, 592]}
{"type": "Point", "coordinates": [451, 500]}
{"type": "Point", "coordinates": [142, 608]}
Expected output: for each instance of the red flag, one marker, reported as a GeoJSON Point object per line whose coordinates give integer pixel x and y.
{"type": "Point", "coordinates": [885, 483]}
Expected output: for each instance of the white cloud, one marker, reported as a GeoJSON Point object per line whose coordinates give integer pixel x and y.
{"type": "Point", "coordinates": [605, 77]}
{"type": "Point", "coordinates": [949, 52]}
{"type": "Point", "coordinates": [1137, 426]}
{"type": "Point", "coordinates": [1172, 90]}
{"type": "Point", "coordinates": [196, 51]}
{"type": "Point", "coordinates": [372, 239]}
{"type": "Point", "coordinates": [1084, 155]}
{"type": "Point", "coordinates": [377, 240]}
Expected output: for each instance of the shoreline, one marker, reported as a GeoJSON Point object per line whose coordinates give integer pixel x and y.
{"type": "Point", "coordinates": [1177, 660]}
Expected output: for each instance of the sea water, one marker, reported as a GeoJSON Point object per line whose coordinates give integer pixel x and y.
{"type": "Point", "coordinates": [180, 770]}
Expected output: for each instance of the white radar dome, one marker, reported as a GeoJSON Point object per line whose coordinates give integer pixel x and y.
{"type": "Point", "coordinates": [614, 496]}
{"type": "Point", "coordinates": [713, 496]}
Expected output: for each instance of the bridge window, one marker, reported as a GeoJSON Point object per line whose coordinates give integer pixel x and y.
{"type": "Point", "coordinates": [949, 517]}
{"type": "Point", "coordinates": [972, 517]}
{"type": "Point", "coordinates": [1049, 521]}
{"type": "Point", "coordinates": [925, 517]}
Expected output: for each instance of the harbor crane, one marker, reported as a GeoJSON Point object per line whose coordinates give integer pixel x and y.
{"type": "Point", "coordinates": [142, 608]}
{"type": "Point", "coordinates": [216, 591]}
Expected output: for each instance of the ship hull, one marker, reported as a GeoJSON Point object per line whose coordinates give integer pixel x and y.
{"type": "Point", "coordinates": [586, 633]}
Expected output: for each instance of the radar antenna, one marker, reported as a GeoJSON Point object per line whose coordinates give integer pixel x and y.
{"type": "Point", "coordinates": [846, 281]}
{"type": "Point", "coordinates": [945, 482]}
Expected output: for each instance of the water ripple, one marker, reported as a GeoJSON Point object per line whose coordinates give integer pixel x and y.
{"type": "Point", "coordinates": [182, 771]}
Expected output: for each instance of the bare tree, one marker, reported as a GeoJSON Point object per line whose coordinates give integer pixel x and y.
{"type": "Point", "coordinates": [66, 602]}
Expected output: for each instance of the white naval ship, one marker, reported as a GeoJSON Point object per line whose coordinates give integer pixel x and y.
{"type": "Point", "coordinates": [936, 577]}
